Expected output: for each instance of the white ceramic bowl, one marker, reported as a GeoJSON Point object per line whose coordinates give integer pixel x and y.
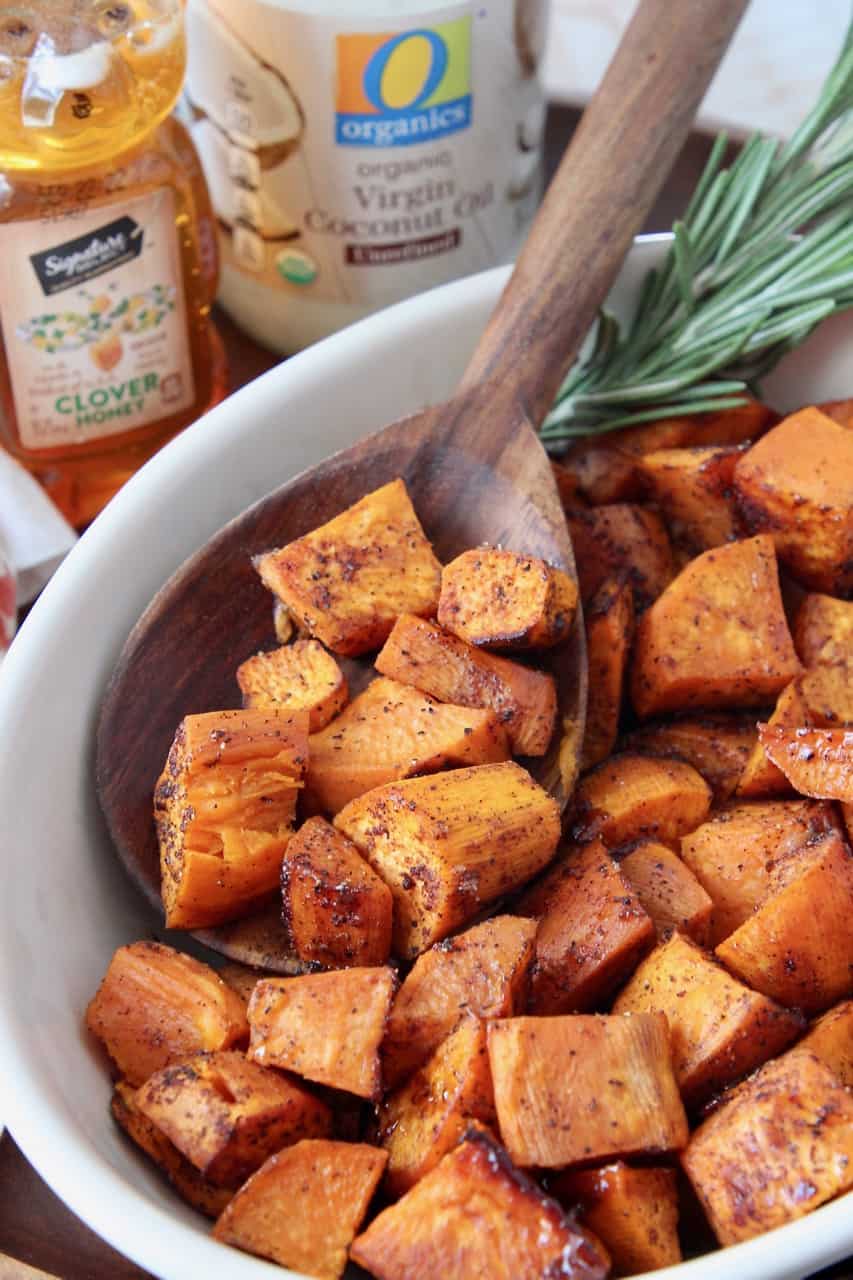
{"type": "Point", "coordinates": [66, 903]}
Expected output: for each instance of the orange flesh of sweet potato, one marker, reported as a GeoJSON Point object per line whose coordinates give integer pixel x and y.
{"type": "Point", "coordinates": [326, 1027]}
{"type": "Point", "coordinates": [336, 910]}
{"type": "Point", "coordinates": [156, 1007]}
{"type": "Point", "coordinates": [717, 637]}
{"type": "Point", "coordinates": [716, 745]}
{"type": "Point", "coordinates": [609, 623]}
{"type": "Point", "coordinates": [347, 581]}
{"type": "Point", "coordinates": [823, 631]}
{"type": "Point", "coordinates": [304, 1206]}
{"type": "Point", "coordinates": [760, 776]}
{"type": "Point", "coordinates": [634, 1212]}
{"type": "Point", "coordinates": [393, 731]}
{"type": "Point", "coordinates": [581, 1088]}
{"type": "Point", "coordinates": [816, 762]}
{"type": "Point", "coordinates": [490, 596]}
{"type": "Point", "coordinates": [598, 474]}
{"type": "Point", "coordinates": [419, 653]}
{"type": "Point", "coordinates": [827, 692]}
{"type": "Point", "coordinates": [831, 1040]}
{"type": "Point", "coordinates": [631, 797]}
{"type": "Point", "coordinates": [693, 488]}
{"type": "Point", "coordinates": [592, 930]}
{"type": "Point", "coordinates": [718, 427]}
{"type": "Point", "coordinates": [474, 1215]}
{"type": "Point", "coordinates": [719, 1029]}
{"type": "Point", "coordinates": [241, 978]}
{"type": "Point", "coordinates": [483, 971]}
{"type": "Point", "coordinates": [296, 677]}
{"type": "Point", "coordinates": [224, 808]}
{"type": "Point", "coordinates": [782, 1145]}
{"type": "Point", "coordinates": [621, 541]}
{"type": "Point", "coordinates": [227, 1115]}
{"type": "Point", "coordinates": [450, 844]}
{"type": "Point", "coordinates": [668, 891]}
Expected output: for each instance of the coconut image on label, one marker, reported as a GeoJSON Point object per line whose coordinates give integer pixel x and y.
{"type": "Point", "coordinates": [235, 193]}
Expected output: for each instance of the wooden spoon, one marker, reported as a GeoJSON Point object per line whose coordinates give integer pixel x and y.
{"type": "Point", "coordinates": [473, 466]}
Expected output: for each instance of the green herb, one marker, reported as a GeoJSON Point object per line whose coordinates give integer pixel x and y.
{"type": "Point", "coordinates": [763, 255]}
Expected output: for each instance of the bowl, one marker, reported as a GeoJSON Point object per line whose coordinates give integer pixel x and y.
{"type": "Point", "coordinates": [66, 902]}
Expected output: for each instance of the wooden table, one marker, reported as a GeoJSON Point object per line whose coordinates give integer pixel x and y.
{"type": "Point", "coordinates": [39, 1238]}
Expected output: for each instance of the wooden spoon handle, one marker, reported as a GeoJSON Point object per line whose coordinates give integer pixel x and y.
{"type": "Point", "coordinates": [618, 160]}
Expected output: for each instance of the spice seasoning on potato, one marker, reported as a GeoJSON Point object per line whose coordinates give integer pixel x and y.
{"type": "Point", "coordinates": [823, 631]}
{"type": "Point", "coordinates": [830, 1038]}
{"type": "Point", "coordinates": [295, 677]}
{"type": "Point", "coordinates": [717, 745]}
{"type": "Point", "coordinates": [621, 540]}
{"type": "Point", "coordinates": [609, 621]}
{"type": "Point", "coordinates": [693, 489]}
{"type": "Point", "coordinates": [634, 1212]}
{"type": "Point", "coordinates": [816, 762]}
{"type": "Point", "coordinates": [503, 599]}
{"type": "Point", "coordinates": [668, 891]}
{"type": "Point", "coordinates": [631, 797]}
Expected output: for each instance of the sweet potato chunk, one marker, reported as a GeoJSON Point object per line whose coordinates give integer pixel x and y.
{"type": "Point", "coordinates": [326, 1027]}
{"type": "Point", "coordinates": [347, 581]}
{"type": "Point", "coordinates": [668, 891]}
{"type": "Point", "coordinates": [718, 746]}
{"type": "Point", "coordinates": [502, 599]}
{"type": "Point", "coordinates": [630, 797]}
{"type": "Point", "coordinates": [827, 692]}
{"type": "Point", "coordinates": [693, 489]}
{"type": "Point", "coordinates": [156, 1007]}
{"type": "Point", "coordinates": [782, 1145]}
{"type": "Point", "coordinates": [450, 844]}
{"type": "Point", "coordinates": [483, 971]}
{"type": "Point", "coordinates": [335, 908]}
{"type": "Point", "coordinates": [241, 978]}
{"type": "Point", "coordinates": [823, 631]}
{"type": "Point", "coordinates": [718, 426]}
{"type": "Point", "coordinates": [392, 731]}
{"type": "Point", "coordinates": [420, 653]}
{"type": "Point", "coordinates": [719, 1029]}
{"type": "Point", "coordinates": [592, 931]}
{"type": "Point", "coordinates": [717, 637]}
{"type": "Point", "coordinates": [296, 677]}
{"type": "Point", "coordinates": [475, 1215]}
{"type": "Point", "coordinates": [227, 1115]}
{"type": "Point", "coordinates": [797, 484]}
{"type": "Point", "coordinates": [634, 1212]}
{"type": "Point", "coordinates": [621, 541]}
{"type": "Point", "coordinates": [224, 808]}
{"type": "Point", "coordinates": [816, 762]}
{"type": "Point", "coordinates": [304, 1206]}
{"type": "Point", "coordinates": [542, 1067]}
{"type": "Point", "coordinates": [760, 776]}
{"type": "Point", "coordinates": [597, 474]}
{"type": "Point", "coordinates": [609, 623]}
{"type": "Point", "coordinates": [831, 1040]}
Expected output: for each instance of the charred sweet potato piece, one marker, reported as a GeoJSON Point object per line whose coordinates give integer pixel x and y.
{"type": "Point", "coordinates": [347, 581]}
{"type": "Point", "coordinates": [475, 1215]}
{"type": "Point", "coordinates": [502, 599]}
{"type": "Point", "coordinates": [598, 474]}
{"type": "Point", "coordinates": [816, 762]}
{"type": "Point", "coordinates": [224, 808]}
{"type": "Point", "coordinates": [717, 637]}
{"type": "Point", "coordinates": [227, 1115]}
{"type": "Point", "coordinates": [419, 653]}
{"type": "Point", "coordinates": [393, 731]}
{"type": "Point", "coordinates": [630, 797]}
{"type": "Point", "coordinates": [609, 623]}
{"type": "Point", "coordinates": [717, 427]}
{"type": "Point", "coordinates": [295, 677]}
{"type": "Point", "coordinates": [760, 776]}
{"type": "Point", "coordinates": [668, 891]}
{"type": "Point", "coordinates": [831, 1040]}
{"type": "Point", "coordinates": [779, 1147]}
{"type": "Point", "coordinates": [693, 489]}
{"type": "Point", "coordinates": [823, 631]}
{"type": "Point", "coordinates": [450, 844]}
{"type": "Point", "coordinates": [718, 746]}
{"type": "Point", "coordinates": [719, 1029]}
{"type": "Point", "coordinates": [592, 931]}
{"type": "Point", "coordinates": [541, 1067]}
{"type": "Point", "coordinates": [621, 541]}
{"type": "Point", "coordinates": [634, 1212]}
{"type": "Point", "coordinates": [155, 1007]}
{"type": "Point", "coordinates": [326, 1027]}
{"type": "Point", "coordinates": [304, 1206]}
{"type": "Point", "coordinates": [483, 971]}
{"type": "Point", "coordinates": [566, 483]}
{"type": "Point", "coordinates": [335, 908]}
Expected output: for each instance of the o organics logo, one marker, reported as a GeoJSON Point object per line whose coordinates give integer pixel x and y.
{"type": "Point", "coordinates": [398, 89]}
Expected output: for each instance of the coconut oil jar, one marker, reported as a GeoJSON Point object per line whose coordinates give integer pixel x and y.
{"type": "Point", "coordinates": [359, 151]}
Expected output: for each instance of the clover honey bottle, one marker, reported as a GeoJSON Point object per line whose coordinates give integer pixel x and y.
{"type": "Point", "coordinates": [109, 245]}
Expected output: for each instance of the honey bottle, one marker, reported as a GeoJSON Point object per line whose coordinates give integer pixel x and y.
{"type": "Point", "coordinates": [109, 245]}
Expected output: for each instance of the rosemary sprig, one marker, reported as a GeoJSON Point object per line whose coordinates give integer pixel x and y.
{"type": "Point", "coordinates": [763, 254]}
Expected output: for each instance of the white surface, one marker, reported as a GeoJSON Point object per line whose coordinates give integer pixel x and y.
{"type": "Point", "coordinates": [66, 904]}
{"type": "Point", "coordinates": [32, 529]}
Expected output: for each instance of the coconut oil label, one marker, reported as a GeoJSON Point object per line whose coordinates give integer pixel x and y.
{"type": "Point", "coordinates": [94, 322]}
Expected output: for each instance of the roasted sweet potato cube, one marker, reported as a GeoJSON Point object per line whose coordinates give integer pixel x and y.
{"type": "Point", "coordinates": [631, 797]}
{"type": "Point", "coordinates": [827, 692]}
{"type": "Point", "coordinates": [719, 1029]}
{"type": "Point", "coordinates": [336, 910]}
{"type": "Point", "coordinates": [634, 1213]}
{"type": "Point", "coordinates": [816, 762]}
{"type": "Point", "coordinates": [498, 598]}
{"type": "Point", "coordinates": [304, 1206]}
{"type": "Point", "coordinates": [241, 978]}
{"type": "Point", "coordinates": [823, 631]}
{"type": "Point", "coordinates": [760, 776]}
{"type": "Point", "coordinates": [483, 971]}
{"type": "Point", "coordinates": [718, 426]}
{"type": "Point", "coordinates": [621, 541]}
{"type": "Point", "coordinates": [224, 808]}
{"type": "Point", "coordinates": [581, 1088]}
{"type": "Point", "coordinates": [778, 1148]}
{"type": "Point", "coordinates": [717, 637]}
{"type": "Point", "coordinates": [718, 746]}
{"type": "Point", "coordinates": [693, 489]}
{"type": "Point", "coordinates": [592, 931]}
{"type": "Point", "coordinates": [227, 1115]}
{"type": "Point", "coordinates": [450, 844]}
{"type": "Point", "coordinates": [831, 1040]}
{"type": "Point", "coordinates": [609, 623]}
{"type": "Point", "coordinates": [295, 677]}
{"type": "Point", "coordinates": [475, 1215]}
{"type": "Point", "coordinates": [796, 484]}
{"type": "Point", "coordinates": [155, 1007]}
{"type": "Point", "coordinates": [326, 1027]}
{"type": "Point", "coordinates": [420, 653]}
{"type": "Point", "coordinates": [393, 731]}
{"type": "Point", "coordinates": [668, 891]}
{"type": "Point", "coordinates": [598, 474]}
{"type": "Point", "coordinates": [347, 581]}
